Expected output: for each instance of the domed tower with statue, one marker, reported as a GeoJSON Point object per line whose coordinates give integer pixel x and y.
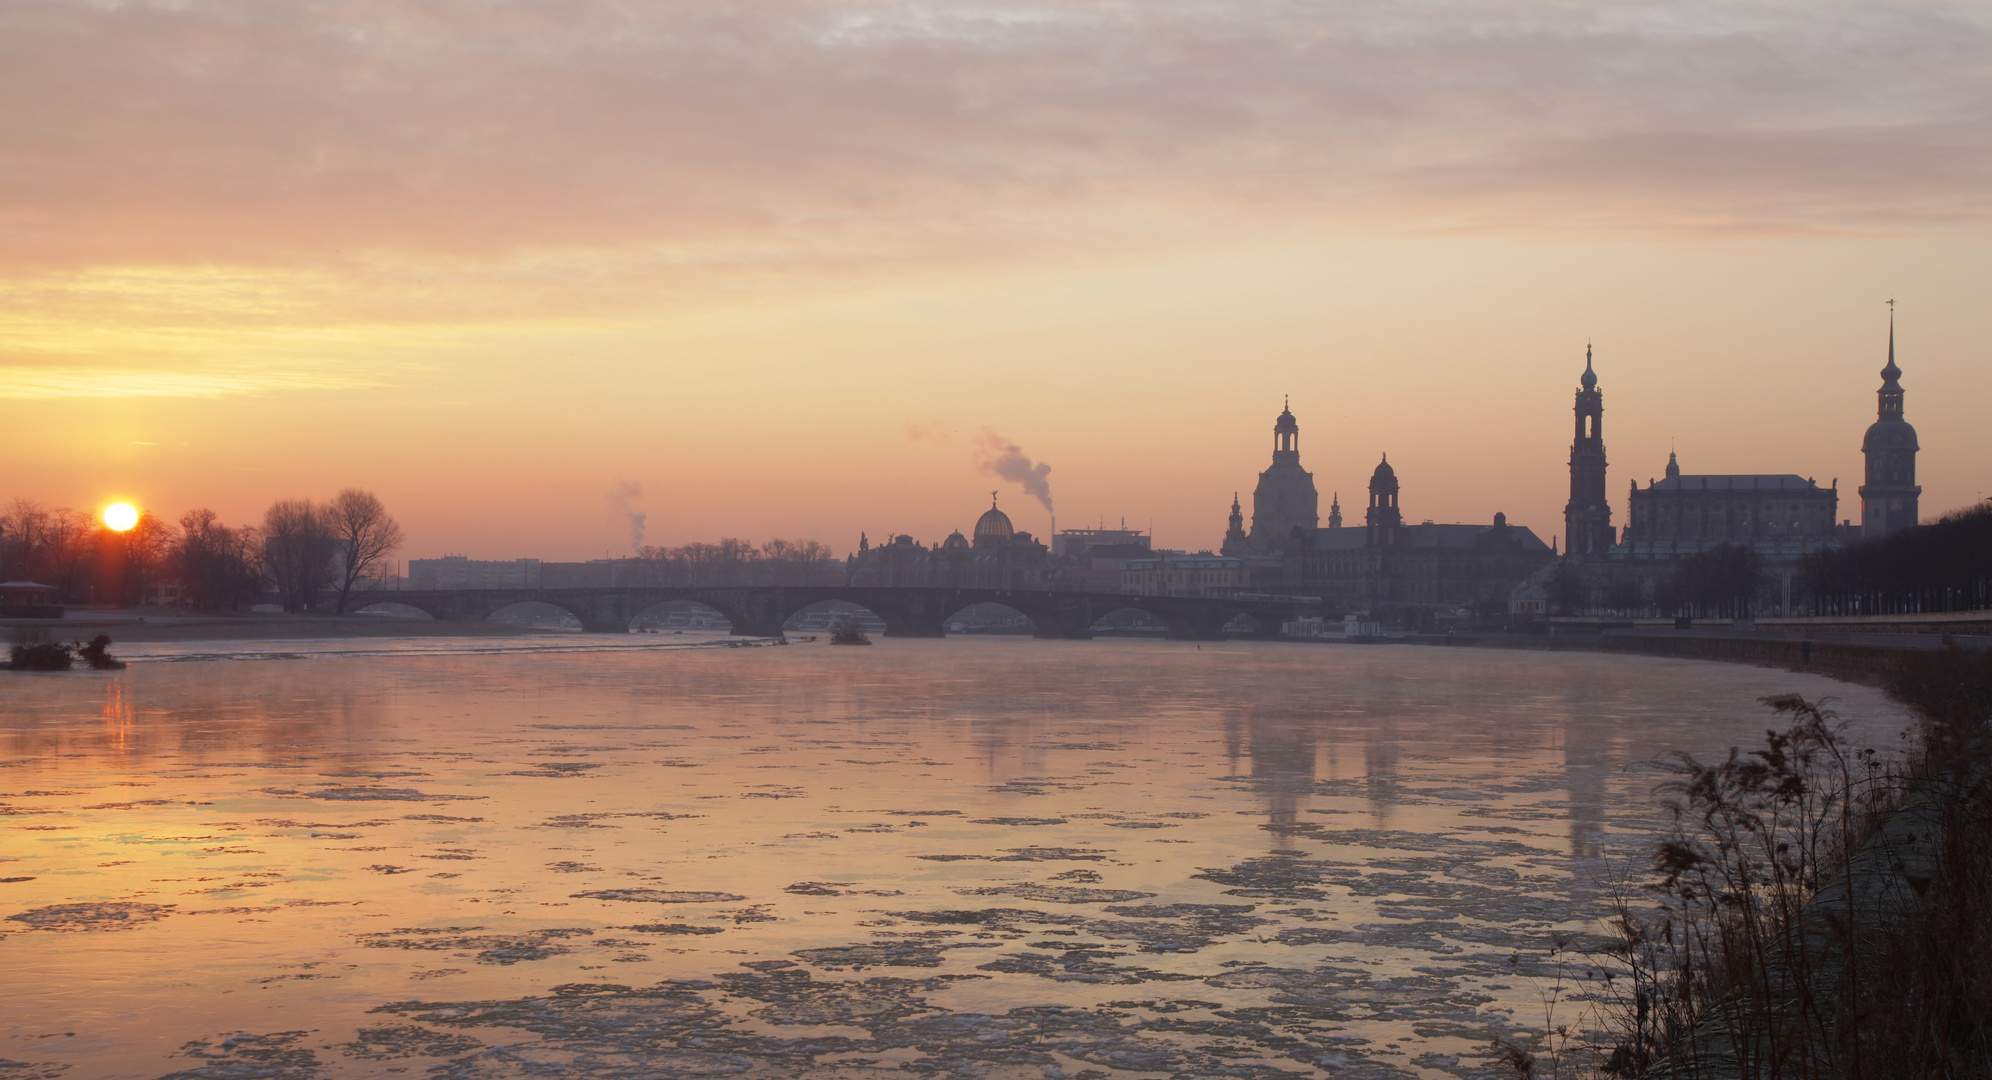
{"type": "Point", "coordinates": [993, 529]}
{"type": "Point", "coordinates": [996, 555]}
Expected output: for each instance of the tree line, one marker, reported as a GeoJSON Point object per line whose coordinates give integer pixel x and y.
{"type": "Point", "coordinates": [732, 561]}
{"type": "Point", "coordinates": [1942, 566]}
{"type": "Point", "coordinates": [1946, 566]}
{"type": "Point", "coordinates": [301, 550]}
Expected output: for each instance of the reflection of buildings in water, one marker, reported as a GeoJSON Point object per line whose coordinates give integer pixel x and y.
{"type": "Point", "coordinates": [1586, 765]}
{"type": "Point", "coordinates": [1286, 752]}
{"type": "Point", "coordinates": [1380, 779]}
{"type": "Point", "coordinates": [1008, 751]}
{"type": "Point", "coordinates": [1282, 754]}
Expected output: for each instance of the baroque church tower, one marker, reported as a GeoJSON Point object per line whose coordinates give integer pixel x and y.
{"type": "Point", "coordinates": [1234, 532]}
{"type": "Point", "coordinates": [1285, 503]}
{"type": "Point", "coordinates": [1383, 516]}
{"type": "Point", "coordinates": [1889, 498]}
{"type": "Point", "coordinates": [1587, 517]}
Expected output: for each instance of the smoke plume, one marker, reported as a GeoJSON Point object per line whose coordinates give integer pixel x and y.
{"type": "Point", "coordinates": [619, 496]}
{"type": "Point", "coordinates": [999, 456]}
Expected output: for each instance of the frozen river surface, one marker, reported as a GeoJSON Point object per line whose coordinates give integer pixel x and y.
{"type": "Point", "coordinates": [963, 858]}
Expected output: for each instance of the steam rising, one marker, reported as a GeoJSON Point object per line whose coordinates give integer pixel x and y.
{"type": "Point", "coordinates": [999, 456]}
{"type": "Point", "coordinates": [619, 496]}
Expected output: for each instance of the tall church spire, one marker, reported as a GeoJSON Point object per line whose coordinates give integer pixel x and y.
{"type": "Point", "coordinates": [1891, 499]}
{"type": "Point", "coordinates": [1587, 517]}
{"type": "Point", "coordinates": [1890, 394]}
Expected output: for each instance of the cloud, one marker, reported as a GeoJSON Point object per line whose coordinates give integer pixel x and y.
{"type": "Point", "coordinates": [35, 383]}
{"type": "Point", "coordinates": [682, 141]}
{"type": "Point", "coordinates": [998, 456]}
{"type": "Point", "coordinates": [930, 432]}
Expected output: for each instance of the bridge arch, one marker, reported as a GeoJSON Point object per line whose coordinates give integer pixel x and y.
{"type": "Point", "coordinates": [1130, 620]}
{"type": "Point", "coordinates": [539, 613]}
{"type": "Point", "coordinates": [1252, 624]}
{"type": "Point", "coordinates": [679, 615]}
{"type": "Point", "coordinates": [996, 617]}
{"type": "Point", "coordinates": [383, 609]}
{"type": "Point", "coordinates": [1042, 618]}
{"type": "Point", "coordinates": [895, 619]}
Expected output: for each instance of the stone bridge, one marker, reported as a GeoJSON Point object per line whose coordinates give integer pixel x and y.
{"type": "Point", "coordinates": [760, 611]}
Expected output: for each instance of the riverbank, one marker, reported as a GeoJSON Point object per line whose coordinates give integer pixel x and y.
{"type": "Point", "coordinates": [1824, 910]}
{"type": "Point", "coordinates": [1867, 659]}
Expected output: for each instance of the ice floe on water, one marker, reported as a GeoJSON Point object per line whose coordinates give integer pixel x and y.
{"type": "Point", "coordinates": [963, 858]}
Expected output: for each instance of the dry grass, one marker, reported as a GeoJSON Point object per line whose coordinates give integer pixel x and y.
{"type": "Point", "coordinates": [1814, 910]}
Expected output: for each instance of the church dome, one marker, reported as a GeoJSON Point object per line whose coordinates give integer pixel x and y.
{"type": "Point", "coordinates": [1384, 480]}
{"type": "Point", "coordinates": [1889, 435]}
{"type": "Point", "coordinates": [993, 527]}
{"type": "Point", "coordinates": [955, 542]}
{"type": "Point", "coordinates": [1285, 424]}
{"type": "Point", "coordinates": [1590, 378]}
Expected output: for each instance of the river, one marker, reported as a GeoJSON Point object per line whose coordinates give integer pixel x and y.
{"type": "Point", "coordinates": [661, 857]}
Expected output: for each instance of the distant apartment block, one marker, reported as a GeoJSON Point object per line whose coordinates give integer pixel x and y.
{"type": "Point", "coordinates": [461, 572]}
{"type": "Point", "coordinates": [1101, 543]}
{"type": "Point", "coordinates": [1185, 575]}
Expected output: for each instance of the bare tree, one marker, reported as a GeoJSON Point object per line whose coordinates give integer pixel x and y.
{"type": "Point", "coordinates": [365, 534]}
{"type": "Point", "coordinates": [798, 562]}
{"type": "Point", "coordinates": [23, 536]}
{"type": "Point", "coordinates": [136, 556]}
{"type": "Point", "coordinates": [68, 543]}
{"type": "Point", "coordinates": [299, 551]}
{"type": "Point", "coordinates": [217, 564]}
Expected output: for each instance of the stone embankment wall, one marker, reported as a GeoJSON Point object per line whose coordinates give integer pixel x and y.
{"type": "Point", "coordinates": [1847, 661]}
{"type": "Point", "coordinates": [1872, 662]}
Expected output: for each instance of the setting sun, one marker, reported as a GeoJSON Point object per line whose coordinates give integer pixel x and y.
{"type": "Point", "coordinates": [120, 517]}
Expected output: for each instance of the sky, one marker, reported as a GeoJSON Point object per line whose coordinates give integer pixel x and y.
{"type": "Point", "coordinates": [534, 270]}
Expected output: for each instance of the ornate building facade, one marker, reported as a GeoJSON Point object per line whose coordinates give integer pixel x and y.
{"type": "Point", "coordinates": [1778, 515]}
{"type": "Point", "coordinates": [1889, 498]}
{"type": "Point", "coordinates": [1395, 571]}
{"type": "Point", "coordinates": [998, 557]}
{"type": "Point", "coordinates": [1774, 514]}
{"type": "Point", "coordinates": [1781, 517]}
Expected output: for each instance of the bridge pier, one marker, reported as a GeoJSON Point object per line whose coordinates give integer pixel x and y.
{"type": "Point", "coordinates": [1066, 618]}
{"type": "Point", "coordinates": [757, 629]}
{"type": "Point", "coordinates": [752, 612]}
{"type": "Point", "coordinates": [914, 617]}
{"type": "Point", "coordinates": [1192, 624]}
{"type": "Point", "coordinates": [1264, 627]}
